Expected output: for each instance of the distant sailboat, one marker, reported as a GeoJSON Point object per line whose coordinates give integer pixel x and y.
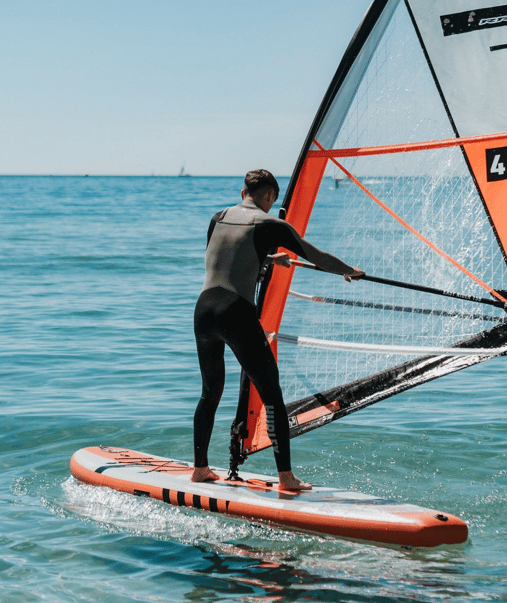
{"type": "Point", "coordinates": [337, 180]}
{"type": "Point", "coordinates": [336, 177]}
{"type": "Point", "coordinates": [183, 173]}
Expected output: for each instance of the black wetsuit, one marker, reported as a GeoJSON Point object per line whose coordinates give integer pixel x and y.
{"type": "Point", "coordinates": [238, 241]}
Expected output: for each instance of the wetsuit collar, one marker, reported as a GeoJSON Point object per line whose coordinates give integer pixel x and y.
{"type": "Point", "coordinates": [250, 204]}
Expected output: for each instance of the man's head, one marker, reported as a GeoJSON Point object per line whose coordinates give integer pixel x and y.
{"type": "Point", "coordinates": [262, 187]}
{"type": "Point", "coordinates": [258, 181]}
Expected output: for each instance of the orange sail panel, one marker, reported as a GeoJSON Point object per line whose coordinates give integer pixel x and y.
{"type": "Point", "coordinates": [298, 215]}
{"type": "Point", "coordinates": [488, 163]}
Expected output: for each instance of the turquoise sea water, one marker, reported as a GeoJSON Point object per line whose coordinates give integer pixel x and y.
{"type": "Point", "coordinates": [99, 277]}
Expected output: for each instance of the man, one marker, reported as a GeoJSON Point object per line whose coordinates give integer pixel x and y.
{"type": "Point", "coordinates": [239, 240]}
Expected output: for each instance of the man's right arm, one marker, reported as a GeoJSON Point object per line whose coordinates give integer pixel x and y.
{"type": "Point", "coordinates": [284, 235]}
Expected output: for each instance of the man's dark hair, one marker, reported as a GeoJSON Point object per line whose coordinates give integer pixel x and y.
{"type": "Point", "coordinates": [257, 181]}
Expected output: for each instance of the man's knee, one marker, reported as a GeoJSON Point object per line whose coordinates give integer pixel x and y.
{"type": "Point", "coordinates": [211, 393]}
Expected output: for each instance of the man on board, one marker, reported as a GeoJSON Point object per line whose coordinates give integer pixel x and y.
{"type": "Point", "coordinates": [239, 240]}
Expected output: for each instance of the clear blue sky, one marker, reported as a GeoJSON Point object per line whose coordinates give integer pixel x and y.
{"type": "Point", "coordinates": [143, 86]}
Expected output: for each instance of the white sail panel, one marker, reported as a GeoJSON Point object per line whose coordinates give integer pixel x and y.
{"type": "Point", "coordinates": [467, 45]}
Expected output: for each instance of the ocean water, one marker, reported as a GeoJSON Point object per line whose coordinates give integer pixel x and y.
{"type": "Point", "coordinates": [99, 277]}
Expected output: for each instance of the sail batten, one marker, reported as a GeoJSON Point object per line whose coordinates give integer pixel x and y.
{"type": "Point", "coordinates": [383, 349]}
{"type": "Point", "coordinates": [414, 118]}
{"type": "Point", "coordinates": [393, 307]}
{"type": "Point", "coordinates": [404, 148]}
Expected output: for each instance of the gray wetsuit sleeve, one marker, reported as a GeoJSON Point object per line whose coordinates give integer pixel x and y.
{"type": "Point", "coordinates": [239, 239]}
{"type": "Point", "coordinates": [281, 234]}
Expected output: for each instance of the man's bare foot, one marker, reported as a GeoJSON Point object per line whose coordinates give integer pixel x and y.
{"type": "Point", "coordinates": [288, 481]}
{"type": "Point", "coordinates": [203, 474]}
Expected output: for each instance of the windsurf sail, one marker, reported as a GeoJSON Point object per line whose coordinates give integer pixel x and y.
{"type": "Point", "coordinates": [415, 121]}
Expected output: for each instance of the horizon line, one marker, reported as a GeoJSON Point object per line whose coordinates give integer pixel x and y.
{"type": "Point", "coordinates": [185, 177]}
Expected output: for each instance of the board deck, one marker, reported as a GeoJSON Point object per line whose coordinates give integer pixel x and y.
{"type": "Point", "coordinates": [258, 498]}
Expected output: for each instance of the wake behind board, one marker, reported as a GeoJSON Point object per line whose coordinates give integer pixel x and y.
{"type": "Point", "coordinates": [258, 498]}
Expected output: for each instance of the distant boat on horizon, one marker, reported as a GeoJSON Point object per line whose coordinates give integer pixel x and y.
{"type": "Point", "coordinates": [183, 173]}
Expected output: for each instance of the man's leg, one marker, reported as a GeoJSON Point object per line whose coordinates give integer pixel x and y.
{"type": "Point", "coordinates": [245, 337]}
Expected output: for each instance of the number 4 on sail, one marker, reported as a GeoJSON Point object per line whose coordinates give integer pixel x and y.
{"type": "Point", "coordinates": [496, 159]}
